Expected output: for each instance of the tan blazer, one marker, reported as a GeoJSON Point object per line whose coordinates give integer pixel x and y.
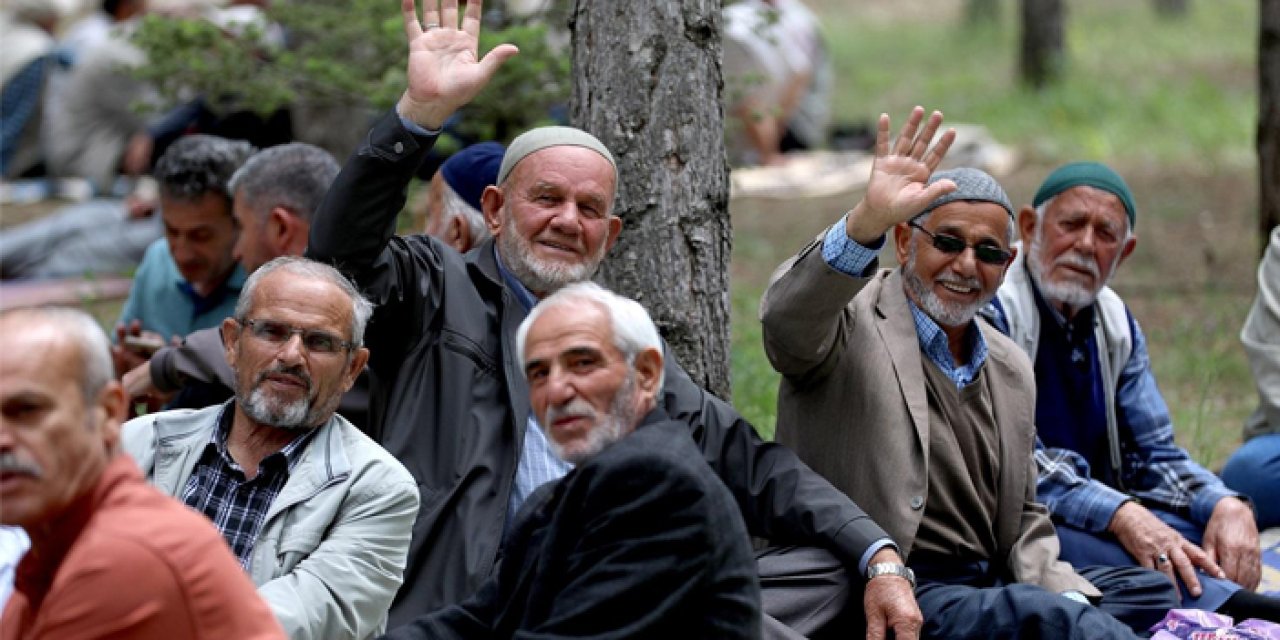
{"type": "Point", "coordinates": [853, 405]}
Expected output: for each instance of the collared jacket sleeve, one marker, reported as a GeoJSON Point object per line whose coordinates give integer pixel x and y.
{"type": "Point", "coordinates": [344, 587]}
{"type": "Point", "coordinates": [200, 358]}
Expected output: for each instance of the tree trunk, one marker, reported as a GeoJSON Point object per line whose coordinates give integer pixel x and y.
{"type": "Point", "coordinates": [1268, 118]}
{"type": "Point", "coordinates": [1172, 9]}
{"type": "Point", "coordinates": [646, 81]}
{"type": "Point", "coordinates": [1042, 49]}
{"type": "Point", "coordinates": [981, 12]}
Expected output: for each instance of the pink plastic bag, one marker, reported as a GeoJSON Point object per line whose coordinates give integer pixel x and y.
{"type": "Point", "coordinates": [1191, 624]}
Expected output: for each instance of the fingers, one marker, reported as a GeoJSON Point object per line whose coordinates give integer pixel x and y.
{"type": "Point", "coordinates": [1204, 561]}
{"type": "Point", "coordinates": [940, 150]}
{"type": "Point", "coordinates": [930, 129]}
{"type": "Point", "coordinates": [936, 190]}
{"type": "Point", "coordinates": [1185, 569]}
{"type": "Point", "coordinates": [875, 628]}
{"type": "Point", "coordinates": [494, 59]}
{"type": "Point", "coordinates": [448, 13]}
{"type": "Point", "coordinates": [882, 136]}
{"type": "Point", "coordinates": [412, 28]}
{"type": "Point", "coordinates": [907, 136]}
{"type": "Point", "coordinates": [471, 18]}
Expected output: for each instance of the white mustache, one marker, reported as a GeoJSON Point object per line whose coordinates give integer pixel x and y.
{"type": "Point", "coordinates": [577, 408]}
{"type": "Point", "coordinates": [1078, 260]}
{"type": "Point", "coordinates": [11, 463]}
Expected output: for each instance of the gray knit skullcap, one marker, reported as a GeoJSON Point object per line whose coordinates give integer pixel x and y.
{"type": "Point", "coordinates": [971, 185]}
{"type": "Point", "coordinates": [543, 137]}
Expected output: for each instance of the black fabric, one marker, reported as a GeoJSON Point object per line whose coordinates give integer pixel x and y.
{"type": "Point", "coordinates": [1244, 604]}
{"type": "Point", "coordinates": [448, 398]}
{"type": "Point", "coordinates": [640, 541]}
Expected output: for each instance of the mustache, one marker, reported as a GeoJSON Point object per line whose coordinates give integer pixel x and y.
{"type": "Point", "coordinates": [296, 371]}
{"type": "Point", "coordinates": [11, 463]}
{"type": "Point", "coordinates": [951, 278]}
{"type": "Point", "coordinates": [577, 408]}
{"type": "Point", "coordinates": [1079, 261]}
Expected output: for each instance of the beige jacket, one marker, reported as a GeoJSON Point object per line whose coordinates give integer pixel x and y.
{"type": "Point", "coordinates": [853, 405]}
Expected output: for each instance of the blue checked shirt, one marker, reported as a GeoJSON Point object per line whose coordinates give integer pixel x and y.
{"type": "Point", "coordinates": [537, 465]}
{"type": "Point", "coordinates": [238, 507]}
{"type": "Point", "coordinates": [1154, 469]}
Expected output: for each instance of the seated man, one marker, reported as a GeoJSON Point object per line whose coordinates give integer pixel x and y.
{"type": "Point", "coordinates": [276, 193]}
{"type": "Point", "coordinates": [110, 556]}
{"type": "Point", "coordinates": [1254, 469]}
{"type": "Point", "coordinates": [449, 208]}
{"type": "Point", "coordinates": [448, 398]}
{"type": "Point", "coordinates": [189, 280]}
{"type": "Point", "coordinates": [902, 399]}
{"type": "Point", "coordinates": [1120, 490]}
{"type": "Point", "coordinates": [596, 553]}
{"type": "Point", "coordinates": [318, 514]}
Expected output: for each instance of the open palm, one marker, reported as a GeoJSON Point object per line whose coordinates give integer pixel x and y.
{"type": "Point", "coordinates": [898, 189]}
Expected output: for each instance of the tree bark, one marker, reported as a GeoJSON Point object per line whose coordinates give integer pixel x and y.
{"type": "Point", "coordinates": [646, 81]}
{"type": "Point", "coordinates": [1268, 119]}
{"type": "Point", "coordinates": [1042, 57]}
{"type": "Point", "coordinates": [980, 12]}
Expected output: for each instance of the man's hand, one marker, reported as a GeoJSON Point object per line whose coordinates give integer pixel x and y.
{"type": "Point", "coordinates": [890, 603]}
{"type": "Point", "coordinates": [1231, 540]}
{"type": "Point", "coordinates": [1157, 546]}
{"type": "Point", "coordinates": [444, 72]}
{"type": "Point", "coordinates": [123, 357]}
{"type": "Point", "coordinates": [897, 190]}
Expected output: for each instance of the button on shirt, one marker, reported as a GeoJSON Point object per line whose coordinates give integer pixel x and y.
{"type": "Point", "coordinates": [238, 507]}
{"type": "Point", "coordinates": [538, 465]}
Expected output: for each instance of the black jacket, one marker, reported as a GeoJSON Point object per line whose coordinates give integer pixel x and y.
{"type": "Point", "coordinates": [449, 401]}
{"type": "Point", "coordinates": [640, 541]}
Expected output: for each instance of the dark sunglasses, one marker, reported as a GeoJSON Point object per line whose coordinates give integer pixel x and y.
{"type": "Point", "coordinates": [279, 333]}
{"type": "Point", "coordinates": [951, 245]}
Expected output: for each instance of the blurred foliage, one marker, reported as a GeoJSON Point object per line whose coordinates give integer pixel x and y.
{"type": "Point", "coordinates": [343, 53]}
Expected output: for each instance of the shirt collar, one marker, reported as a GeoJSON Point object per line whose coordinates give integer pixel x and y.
{"type": "Point", "coordinates": [291, 453]}
{"type": "Point", "coordinates": [935, 345]}
{"type": "Point", "coordinates": [523, 294]}
{"type": "Point", "coordinates": [202, 304]}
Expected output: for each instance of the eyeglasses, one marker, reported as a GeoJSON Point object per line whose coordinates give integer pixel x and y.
{"type": "Point", "coordinates": [280, 333]}
{"type": "Point", "coordinates": [952, 245]}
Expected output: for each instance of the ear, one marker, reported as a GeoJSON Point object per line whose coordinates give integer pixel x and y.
{"type": "Point", "coordinates": [358, 359]}
{"type": "Point", "coordinates": [491, 201]}
{"type": "Point", "coordinates": [1129, 246]}
{"type": "Point", "coordinates": [230, 339]}
{"type": "Point", "coordinates": [648, 367]}
{"type": "Point", "coordinates": [111, 409]}
{"type": "Point", "coordinates": [615, 228]}
{"type": "Point", "coordinates": [458, 234]}
{"type": "Point", "coordinates": [284, 231]}
{"type": "Point", "coordinates": [1027, 220]}
{"type": "Point", "coordinates": [901, 241]}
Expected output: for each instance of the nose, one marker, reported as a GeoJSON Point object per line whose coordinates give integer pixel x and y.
{"type": "Point", "coordinates": [965, 262]}
{"type": "Point", "coordinates": [560, 388]}
{"type": "Point", "coordinates": [568, 220]}
{"type": "Point", "coordinates": [291, 351]}
{"type": "Point", "coordinates": [1086, 240]}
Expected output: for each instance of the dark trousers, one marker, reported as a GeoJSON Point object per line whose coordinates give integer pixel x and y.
{"type": "Point", "coordinates": [806, 592]}
{"type": "Point", "coordinates": [974, 604]}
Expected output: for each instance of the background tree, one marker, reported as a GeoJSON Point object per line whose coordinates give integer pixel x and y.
{"type": "Point", "coordinates": [647, 82]}
{"type": "Point", "coordinates": [981, 12]}
{"type": "Point", "coordinates": [1043, 57]}
{"type": "Point", "coordinates": [1268, 118]}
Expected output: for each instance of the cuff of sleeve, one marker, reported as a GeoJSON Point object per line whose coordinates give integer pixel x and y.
{"type": "Point", "coordinates": [417, 129]}
{"type": "Point", "coordinates": [1077, 596]}
{"type": "Point", "coordinates": [1206, 499]}
{"type": "Point", "coordinates": [871, 552]}
{"type": "Point", "coordinates": [1102, 501]}
{"type": "Point", "coordinates": [845, 255]}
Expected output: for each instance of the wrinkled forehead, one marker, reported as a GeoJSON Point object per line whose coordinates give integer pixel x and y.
{"type": "Point", "coordinates": [1088, 200]}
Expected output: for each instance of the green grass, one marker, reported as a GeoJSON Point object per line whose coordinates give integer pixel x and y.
{"type": "Point", "coordinates": [1171, 105]}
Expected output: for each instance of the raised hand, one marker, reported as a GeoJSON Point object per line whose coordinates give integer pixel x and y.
{"type": "Point", "coordinates": [444, 70]}
{"type": "Point", "coordinates": [897, 190]}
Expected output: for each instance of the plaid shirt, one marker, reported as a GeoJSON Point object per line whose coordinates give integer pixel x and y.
{"type": "Point", "coordinates": [1153, 468]}
{"type": "Point", "coordinates": [238, 507]}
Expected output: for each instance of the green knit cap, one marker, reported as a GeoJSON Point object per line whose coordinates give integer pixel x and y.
{"type": "Point", "coordinates": [1090, 174]}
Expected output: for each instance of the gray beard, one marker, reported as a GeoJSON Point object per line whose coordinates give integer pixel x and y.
{"type": "Point", "coordinates": [1069, 294]}
{"type": "Point", "coordinates": [947, 314]}
{"type": "Point", "coordinates": [612, 428]}
{"type": "Point", "coordinates": [540, 276]}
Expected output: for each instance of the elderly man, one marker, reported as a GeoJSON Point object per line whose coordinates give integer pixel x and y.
{"type": "Point", "coordinates": [188, 280]}
{"type": "Point", "coordinates": [318, 514]}
{"type": "Point", "coordinates": [894, 392]}
{"type": "Point", "coordinates": [449, 208]}
{"type": "Point", "coordinates": [276, 194]}
{"type": "Point", "coordinates": [592, 555]}
{"type": "Point", "coordinates": [1121, 491]}
{"type": "Point", "coordinates": [449, 398]}
{"type": "Point", "coordinates": [110, 556]}
{"type": "Point", "coordinates": [1254, 469]}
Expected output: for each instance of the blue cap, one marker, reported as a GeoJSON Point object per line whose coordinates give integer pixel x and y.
{"type": "Point", "coordinates": [469, 171]}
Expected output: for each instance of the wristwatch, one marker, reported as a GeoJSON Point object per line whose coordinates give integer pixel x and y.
{"type": "Point", "coordinates": [891, 569]}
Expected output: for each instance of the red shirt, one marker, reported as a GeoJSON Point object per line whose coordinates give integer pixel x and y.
{"type": "Point", "coordinates": [126, 561]}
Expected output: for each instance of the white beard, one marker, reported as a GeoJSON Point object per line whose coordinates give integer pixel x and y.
{"type": "Point", "coordinates": [947, 314]}
{"type": "Point", "coordinates": [608, 429]}
{"type": "Point", "coordinates": [540, 276]}
{"type": "Point", "coordinates": [1066, 293]}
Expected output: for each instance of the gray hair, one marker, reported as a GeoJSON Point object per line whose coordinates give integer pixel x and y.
{"type": "Point", "coordinates": [199, 164]}
{"type": "Point", "coordinates": [361, 308]}
{"type": "Point", "coordinates": [294, 176]}
{"type": "Point", "coordinates": [95, 366]}
{"type": "Point", "coordinates": [633, 329]}
{"type": "Point", "coordinates": [453, 206]}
